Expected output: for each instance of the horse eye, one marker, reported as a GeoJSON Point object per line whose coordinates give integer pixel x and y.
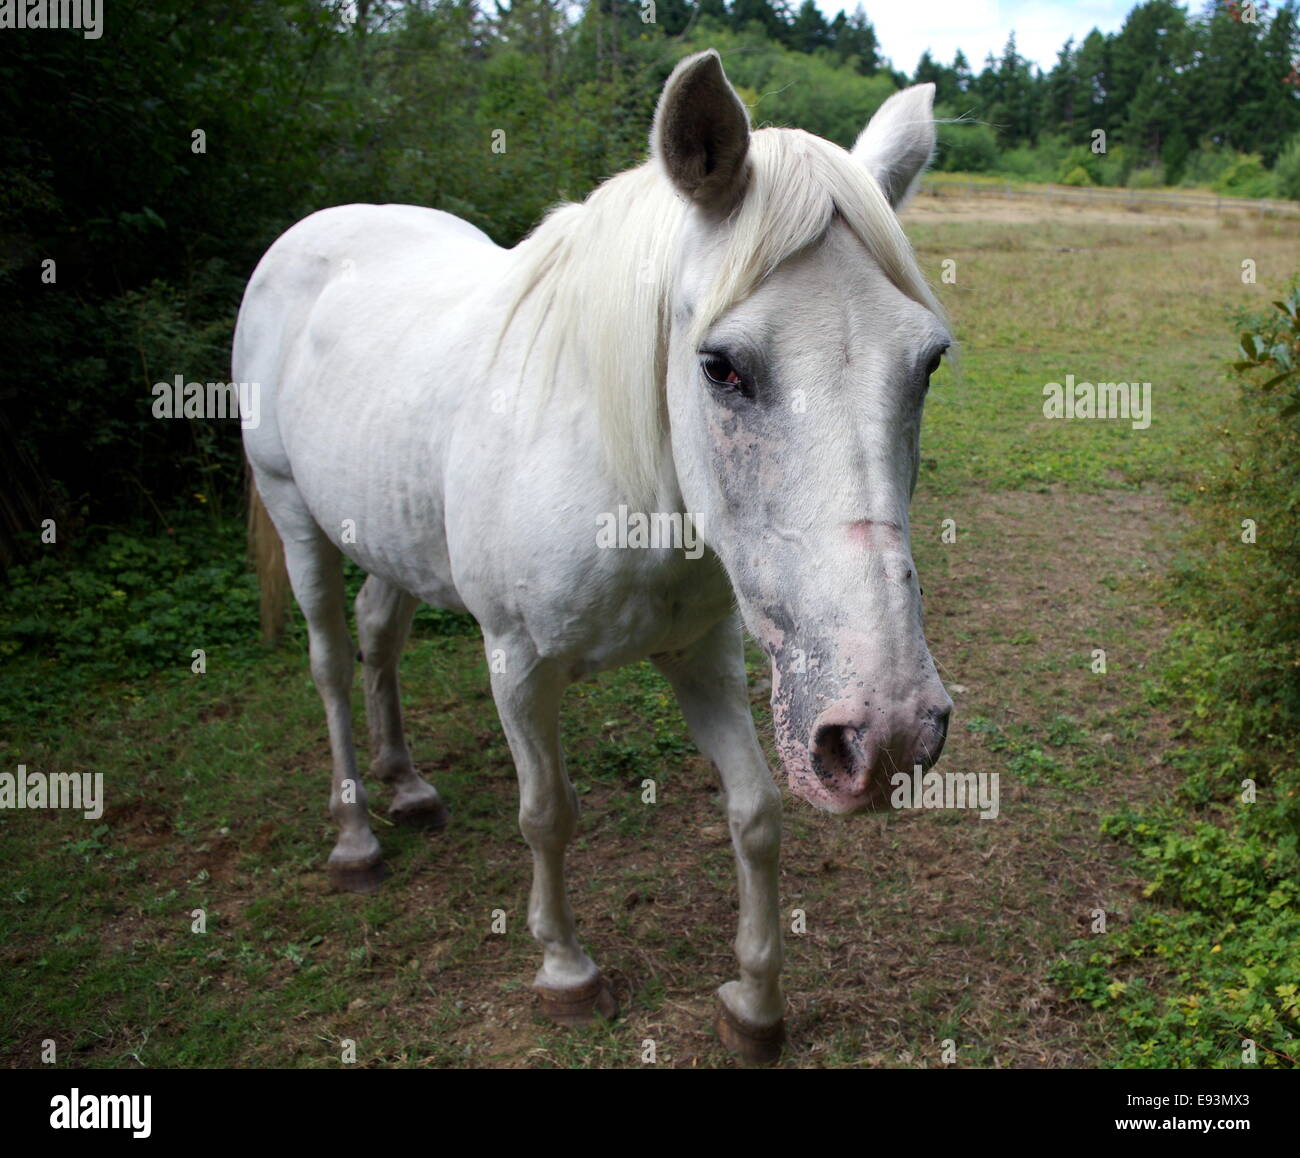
{"type": "Point", "coordinates": [719, 371]}
{"type": "Point", "coordinates": [934, 362]}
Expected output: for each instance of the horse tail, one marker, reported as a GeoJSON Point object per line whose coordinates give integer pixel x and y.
{"type": "Point", "coordinates": [267, 552]}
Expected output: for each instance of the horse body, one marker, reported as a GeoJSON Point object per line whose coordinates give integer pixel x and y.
{"type": "Point", "coordinates": [458, 419]}
{"type": "Point", "coordinates": [446, 487]}
{"type": "Point", "coordinates": [317, 329]}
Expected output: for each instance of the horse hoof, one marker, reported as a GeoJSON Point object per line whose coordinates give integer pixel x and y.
{"type": "Point", "coordinates": [413, 816]}
{"type": "Point", "coordinates": [752, 1044]}
{"type": "Point", "coordinates": [579, 1006]}
{"type": "Point", "coordinates": [358, 878]}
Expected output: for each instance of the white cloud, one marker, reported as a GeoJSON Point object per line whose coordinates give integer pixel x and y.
{"type": "Point", "coordinates": [906, 29]}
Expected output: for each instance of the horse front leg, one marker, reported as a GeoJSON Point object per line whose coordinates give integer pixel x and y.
{"type": "Point", "coordinates": [527, 691]}
{"type": "Point", "coordinates": [711, 687]}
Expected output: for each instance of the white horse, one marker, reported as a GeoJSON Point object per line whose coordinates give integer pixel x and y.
{"type": "Point", "coordinates": [736, 331]}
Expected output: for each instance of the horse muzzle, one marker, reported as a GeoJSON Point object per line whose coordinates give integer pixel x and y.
{"type": "Point", "coordinates": [845, 758]}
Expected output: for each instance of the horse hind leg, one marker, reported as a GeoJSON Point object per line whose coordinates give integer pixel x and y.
{"type": "Point", "coordinates": [315, 569]}
{"type": "Point", "coordinates": [384, 615]}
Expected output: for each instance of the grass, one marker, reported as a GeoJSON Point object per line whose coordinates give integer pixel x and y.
{"type": "Point", "coordinates": [1031, 305]}
{"type": "Point", "coordinates": [920, 929]}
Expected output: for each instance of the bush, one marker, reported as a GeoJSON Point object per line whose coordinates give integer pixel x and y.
{"type": "Point", "coordinates": [1214, 965]}
{"type": "Point", "coordinates": [131, 605]}
{"type": "Point", "coordinates": [967, 147]}
{"type": "Point", "coordinates": [1212, 960]}
{"type": "Point", "coordinates": [1205, 165]}
{"type": "Point", "coordinates": [1083, 158]}
{"type": "Point", "coordinates": [1152, 177]}
{"type": "Point", "coordinates": [1114, 166]}
{"type": "Point", "coordinates": [1287, 170]}
{"type": "Point", "coordinates": [1246, 177]}
{"type": "Point", "coordinates": [1040, 162]}
{"type": "Point", "coordinates": [134, 605]}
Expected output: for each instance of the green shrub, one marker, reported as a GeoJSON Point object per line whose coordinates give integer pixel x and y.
{"type": "Point", "coordinates": [1287, 170]}
{"type": "Point", "coordinates": [967, 147]}
{"type": "Point", "coordinates": [1212, 963]}
{"type": "Point", "coordinates": [1152, 177]}
{"type": "Point", "coordinates": [1205, 165]}
{"type": "Point", "coordinates": [135, 604]}
{"type": "Point", "coordinates": [1246, 177]}
{"type": "Point", "coordinates": [1114, 166]}
{"type": "Point", "coordinates": [129, 605]}
{"type": "Point", "coordinates": [1213, 958]}
{"type": "Point", "coordinates": [1040, 162]}
{"type": "Point", "coordinates": [1080, 157]}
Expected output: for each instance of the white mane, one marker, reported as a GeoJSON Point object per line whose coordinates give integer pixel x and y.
{"type": "Point", "coordinates": [599, 274]}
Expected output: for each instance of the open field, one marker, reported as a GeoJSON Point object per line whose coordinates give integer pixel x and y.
{"type": "Point", "coordinates": [920, 927]}
{"type": "Point", "coordinates": [1161, 199]}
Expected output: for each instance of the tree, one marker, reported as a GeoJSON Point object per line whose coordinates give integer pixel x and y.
{"type": "Point", "coordinates": [961, 72]}
{"type": "Point", "coordinates": [1150, 58]}
{"type": "Point", "coordinates": [809, 30]}
{"type": "Point", "coordinates": [1008, 91]}
{"type": "Point", "coordinates": [1092, 79]}
{"type": "Point", "coordinates": [944, 79]}
{"type": "Point", "coordinates": [855, 39]}
{"type": "Point", "coordinates": [760, 12]}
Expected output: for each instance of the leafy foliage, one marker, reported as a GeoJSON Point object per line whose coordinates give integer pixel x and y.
{"type": "Point", "coordinates": [1215, 958]}
{"type": "Point", "coordinates": [138, 604]}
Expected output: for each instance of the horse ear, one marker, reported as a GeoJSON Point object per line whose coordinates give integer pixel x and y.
{"type": "Point", "coordinates": [898, 143]}
{"type": "Point", "coordinates": [701, 134]}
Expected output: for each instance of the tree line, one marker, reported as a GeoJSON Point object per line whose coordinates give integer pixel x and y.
{"type": "Point", "coordinates": [145, 172]}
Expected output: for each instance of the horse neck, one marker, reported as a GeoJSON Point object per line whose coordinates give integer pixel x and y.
{"type": "Point", "coordinates": [587, 318]}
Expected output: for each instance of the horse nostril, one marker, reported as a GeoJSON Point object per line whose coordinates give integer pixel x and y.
{"type": "Point", "coordinates": [939, 718]}
{"type": "Point", "coordinates": [830, 744]}
{"type": "Point", "coordinates": [838, 750]}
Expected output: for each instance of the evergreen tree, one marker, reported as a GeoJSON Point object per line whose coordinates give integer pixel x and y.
{"type": "Point", "coordinates": [856, 39]}
{"type": "Point", "coordinates": [714, 9]}
{"type": "Point", "coordinates": [961, 72]}
{"type": "Point", "coordinates": [1061, 90]}
{"type": "Point", "coordinates": [944, 79]}
{"type": "Point", "coordinates": [759, 12]}
{"type": "Point", "coordinates": [809, 30]}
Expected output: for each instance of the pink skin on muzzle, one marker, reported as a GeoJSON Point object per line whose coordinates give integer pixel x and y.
{"type": "Point", "coordinates": [839, 754]}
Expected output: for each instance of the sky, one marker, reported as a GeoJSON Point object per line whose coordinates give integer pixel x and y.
{"type": "Point", "coordinates": [906, 28]}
